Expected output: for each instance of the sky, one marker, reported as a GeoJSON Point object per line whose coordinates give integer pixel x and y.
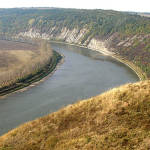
{"type": "Point", "coordinates": [120, 5]}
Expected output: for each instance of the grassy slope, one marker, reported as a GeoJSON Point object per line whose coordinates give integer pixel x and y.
{"type": "Point", "coordinates": [118, 119]}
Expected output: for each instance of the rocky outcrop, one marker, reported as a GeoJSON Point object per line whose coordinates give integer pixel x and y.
{"type": "Point", "coordinates": [71, 36]}
{"type": "Point", "coordinates": [74, 36]}
{"type": "Point", "coordinates": [33, 34]}
{"type": "Point", "coordinates": [99, 46]}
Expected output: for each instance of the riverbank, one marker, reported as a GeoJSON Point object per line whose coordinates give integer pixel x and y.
{"type": "Point", "coordinates": [35, 79]}
{"type": "Point", "coordinates": [141, 75]}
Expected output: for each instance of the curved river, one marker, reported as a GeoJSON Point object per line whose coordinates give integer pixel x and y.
{"type": "Point", "coordinates": [85, 73]}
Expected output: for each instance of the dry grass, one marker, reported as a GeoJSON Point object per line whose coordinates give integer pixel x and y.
{"type": "Point", "coordinates": [11, 45]}
{"type": "Point", "coordinates": [116, 120]}
{"type": "Point", "coordinates": [16, 63]}
{"type": "Point", "coordinates": [12, 59]}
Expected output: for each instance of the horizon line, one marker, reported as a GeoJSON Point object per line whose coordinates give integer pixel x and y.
{"type": "Point", "coordinates": [45, 7]}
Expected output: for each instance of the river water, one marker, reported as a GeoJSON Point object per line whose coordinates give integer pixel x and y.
{"type": "Point", "coordinates": [84, 73]}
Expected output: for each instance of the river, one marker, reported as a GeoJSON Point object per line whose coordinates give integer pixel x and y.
{"type": "Point", "coordinates": [84, 73]}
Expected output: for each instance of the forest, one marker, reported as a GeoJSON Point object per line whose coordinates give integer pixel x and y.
{"type": "Point", "coordinates": [99, 22]}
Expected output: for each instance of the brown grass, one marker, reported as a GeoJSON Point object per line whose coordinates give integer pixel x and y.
{"type": "Point", "coordinates": [22, 60]}
{"type": "Point", "coordinates": [116, 120]}
{"type": "Point", "coordinates": [11, 45]}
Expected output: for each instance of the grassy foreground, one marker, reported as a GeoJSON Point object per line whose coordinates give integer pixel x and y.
{"type": "Point", "coordinates": [116, 120]}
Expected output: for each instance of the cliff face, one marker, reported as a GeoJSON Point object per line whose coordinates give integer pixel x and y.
{"type": "Point", "coordinates": [70, 36]}
{"type": "Point", "coordinates": [74, 36]}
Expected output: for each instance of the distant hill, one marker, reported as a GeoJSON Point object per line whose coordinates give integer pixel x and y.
{"type": "Point", "coordinates": [37, 8]}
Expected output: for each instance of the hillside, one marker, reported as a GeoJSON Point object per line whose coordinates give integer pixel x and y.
{"type": "Point", "coordinates": [118, 119]}
{"type": "Point", "coordinates": [124, 34]}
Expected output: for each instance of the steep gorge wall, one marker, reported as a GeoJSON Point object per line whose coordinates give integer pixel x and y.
{"type": "Point", "coordinates": [74, 36]}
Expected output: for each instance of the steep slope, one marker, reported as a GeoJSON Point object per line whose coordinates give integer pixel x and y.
{"type": "Point", "coordinates": [118, 119]}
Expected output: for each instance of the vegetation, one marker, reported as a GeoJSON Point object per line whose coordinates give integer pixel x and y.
{"type": "Point", "coordinates": [117, 119]}
{"type": "Point", "coordinates": [99, 22]}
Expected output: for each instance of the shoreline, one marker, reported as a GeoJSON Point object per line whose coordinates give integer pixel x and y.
{"type": "Point", "coordinates": [141, 75]}
{"type": "Point", "coordinates": [38, 80]}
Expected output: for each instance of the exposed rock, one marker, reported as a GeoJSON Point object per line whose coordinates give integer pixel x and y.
{"type": "Point", "coordinates": [70, 36]}
{"type": "Point", "coordinates": [98, 45]}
